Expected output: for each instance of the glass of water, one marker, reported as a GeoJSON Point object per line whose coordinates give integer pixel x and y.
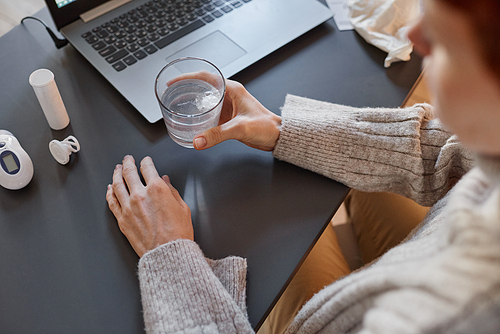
{"type": "Point", "coordinates": [190, 92]}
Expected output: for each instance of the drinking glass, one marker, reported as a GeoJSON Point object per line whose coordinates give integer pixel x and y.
{"type": "Point", "coordinates": [190, 92]}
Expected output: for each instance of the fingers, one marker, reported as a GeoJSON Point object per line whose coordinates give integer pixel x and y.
{"type": "Point", "coordinates": [216, 135]}
{"type": "Point", "coordinates": [234, 89]}
{"type": "Point", "coordinates": [209, 138]}
{"type": "Point", "coordinates": [150, 173]}
{"type": "Point", "coordinates": [113, 203]}
{"type": "Point", "coordinates": [118, 195]}
{"type": "Point", "coordinates": [211, 78]}
{"type": "Point", "coordinates": [130, 174]}
{"type": "Point", "coordinates": [174, 191]}
{"type": "Point", "coordinates": [119, 187]}
{"type": "Point", "coordinates": [148, 170]}
{"type": "Point", "coordinates": [166, 179]}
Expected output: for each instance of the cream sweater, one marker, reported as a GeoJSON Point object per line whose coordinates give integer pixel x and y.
{"type": "Point", "coordinates": [444, 279]}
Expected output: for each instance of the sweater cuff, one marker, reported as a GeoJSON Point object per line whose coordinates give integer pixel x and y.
{"type": "Point", "coordinates": [232, 273]}
{"type": "Point", "coordinates": [180, 290]}
{"type": "Point", "coordinates": [368, 149]}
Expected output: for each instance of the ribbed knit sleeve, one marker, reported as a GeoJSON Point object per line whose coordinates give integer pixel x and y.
{"type": "Point", "coordinates": [405, 151]}
{"type": "Point", "coordinates": [182, 292]}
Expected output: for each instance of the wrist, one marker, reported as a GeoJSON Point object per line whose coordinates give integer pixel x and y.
{"type": "Point", "coordinates": [276, 129]}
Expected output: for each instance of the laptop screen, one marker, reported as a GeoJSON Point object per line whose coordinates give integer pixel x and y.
{"type": "Point", "coordinates": [64, 12]}
{"type": "Point", "coordinates": [61, 3]}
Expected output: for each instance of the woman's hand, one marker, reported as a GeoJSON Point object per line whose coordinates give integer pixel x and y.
{"type": "Point", "coordinates": [148, 215]}
{"type": "Point", "coordinates": [242, 118]}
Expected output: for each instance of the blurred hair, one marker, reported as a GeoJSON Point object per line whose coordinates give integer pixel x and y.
{"type": "Point", "coordinates": [485, 18]}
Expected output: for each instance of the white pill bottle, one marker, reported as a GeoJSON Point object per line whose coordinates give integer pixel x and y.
{"type": "Point", "coordinates": [50, 100]}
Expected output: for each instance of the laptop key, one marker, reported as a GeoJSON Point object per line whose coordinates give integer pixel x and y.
{"type": "Point", "coordinates": [132, 47]}
{"type": "Point", "coordinates": [112, 29]}
{"type": "Point", "coordinates": [121, 34]}
{"type": "Point", "coordinates": [208, 18]}
{"type": "Point", "coordinates": [130, 39]}
{"type": "Point", "coordinates": [122, 24]}
{"type": "Point", "coordinates": [160, 23]}
{"type": "Point", "coordinates": [160, 4]}
{"type": "Point", "coordinates": [117, 56]}
{"type": "Point", "coordinates": [172, 26]}
{"type": "Point", "coordinates": [143, 42]}
{"type": "Point", "coordinates": [151, 28]}
{"type": "Point", "coordinates": [130, 29]}
{"type": "Point", "coordinates": [107, 51]}
{"type": "Point", "coordinates": [142, 14]}
{"type": "Point", "coordinates": [153, 37]}
{"type": "Point", "coordinates": [91, 39]}
{"type": "Point", "coordinates": [179, 33]}
{"type": "Point", "coordinates": [141, 33]}
{"type": "Point", "coordinates": [141, 24]}
{"type": "Point", "coordinates": [129, 60]}
{"type": "Point", "coordinates": [99, 45]}
{"type": "Point", "coordinates": [217, 14]}
{"type": "Point", "coordinates": [132, 19]}
{"type": "Point", "coordinates": [102, 33]}
{"type": "Point", "coordinates": [140, 54]}
{"type": "Point", "coordinates": [110, 39]}
{"type": "Point", "coordinates": [119, 66]}
{"type": "Point", "coordinates": [200, 12]}
{"type": "Point", "coordinates": [182, 21]}
{"type": "Point", "coordinates": [120, 44]}
{"type": "Point", "coordinates": [150, 49]}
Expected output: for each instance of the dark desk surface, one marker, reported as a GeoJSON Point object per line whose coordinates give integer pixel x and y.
{"type": "Point", "coordinates": [66, 267]}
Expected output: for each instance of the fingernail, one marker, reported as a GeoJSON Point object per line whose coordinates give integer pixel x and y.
{"type": "Point", "coordinates": [200, 142]}
{"type": "Point", "coordinates": [109, 186]}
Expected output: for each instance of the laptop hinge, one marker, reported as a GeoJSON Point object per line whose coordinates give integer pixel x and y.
{"type": "Point", "coordinates": [102, 9]}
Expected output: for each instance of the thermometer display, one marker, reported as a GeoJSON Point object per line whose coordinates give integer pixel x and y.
{"type": "Point", "coordinates": [10, 163]}
{"type": "Point", "coordinates": [16, 167]}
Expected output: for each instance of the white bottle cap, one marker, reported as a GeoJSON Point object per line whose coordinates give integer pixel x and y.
{"type": "Point", "coordinates": [50, 100]}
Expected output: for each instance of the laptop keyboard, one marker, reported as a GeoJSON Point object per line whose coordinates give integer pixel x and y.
{"type": "Point", "coordinates": [144, 30]}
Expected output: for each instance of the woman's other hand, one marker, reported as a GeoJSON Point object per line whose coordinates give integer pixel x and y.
{"type": "Point", "coordinates": [148, 215]}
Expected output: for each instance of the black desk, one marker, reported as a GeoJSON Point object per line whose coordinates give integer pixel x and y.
{"type": "Point", "coordinates": [64, 265]}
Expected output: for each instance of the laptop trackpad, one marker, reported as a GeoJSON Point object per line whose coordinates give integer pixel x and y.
{"type": "Point", "coordinates": [216, 48]}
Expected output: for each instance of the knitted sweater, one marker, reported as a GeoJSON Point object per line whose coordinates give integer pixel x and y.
{"type": "Point", "coordinates": [445, 278]}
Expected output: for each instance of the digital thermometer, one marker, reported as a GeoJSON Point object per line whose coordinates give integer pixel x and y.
{"type": "Point", "coordinates": [16, 168]}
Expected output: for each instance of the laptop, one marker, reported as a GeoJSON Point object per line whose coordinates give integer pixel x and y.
{"type": "Point", "coordinates": [129, 41]}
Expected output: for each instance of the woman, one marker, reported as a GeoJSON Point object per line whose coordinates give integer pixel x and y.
{"type": "Point", "coordinates": [446, 276]}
